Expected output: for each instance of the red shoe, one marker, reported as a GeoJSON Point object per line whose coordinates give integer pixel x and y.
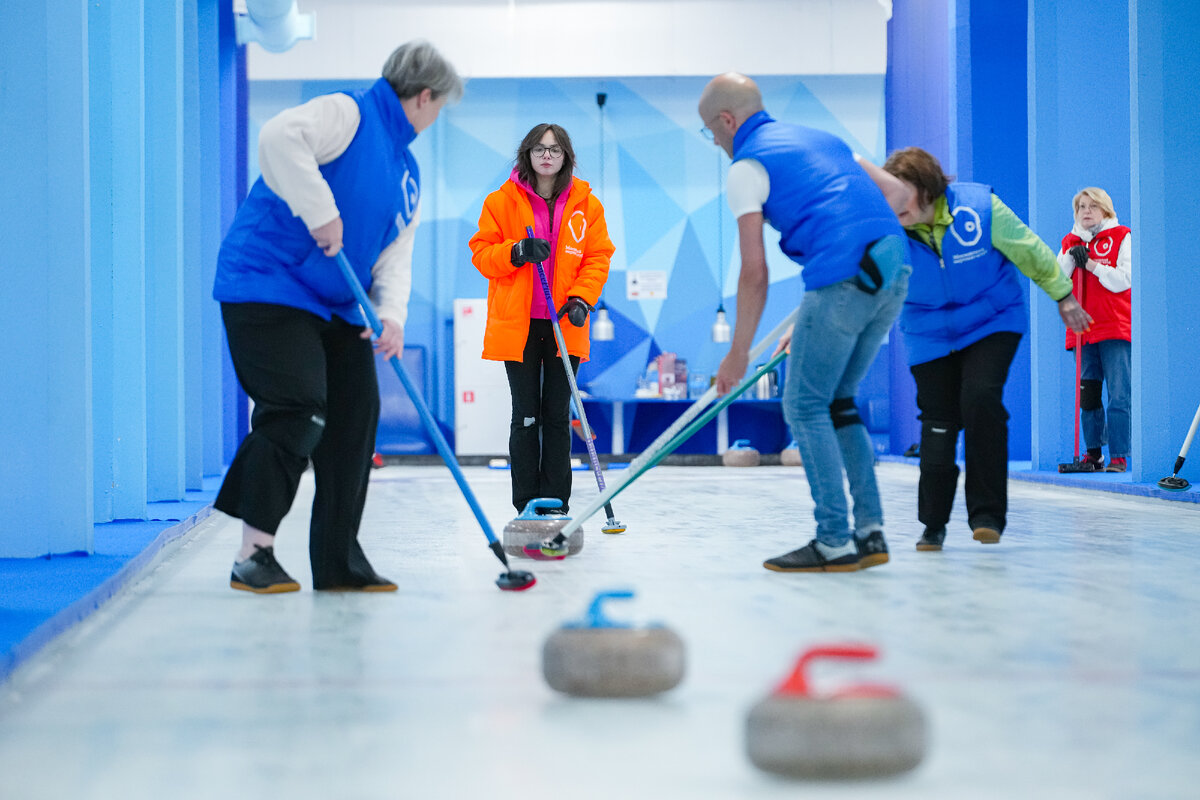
{"type": "Point", "coordinates": [376, 461]}
{"type": "Point", "coordinates": [1115, 465]}
{"type": "Point", "coordinates": [1097, 463]}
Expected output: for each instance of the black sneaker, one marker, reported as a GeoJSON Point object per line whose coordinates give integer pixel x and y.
{"type": "Point", "coordinates": [374, 583]}
{"type": "Point", "coordinates": [872, 550]}
{"type": "Point", "coordinates": [810, 559]}
{"type": "Point", "coordinates": [931, 539]}
{"type": "Point", "coordinates": [261, 574]}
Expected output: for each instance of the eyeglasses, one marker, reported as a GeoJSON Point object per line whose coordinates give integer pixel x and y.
{"type": "Point", "coordinates": [540, 150]}
{"type": "Point", "coordinates": [706, 133]}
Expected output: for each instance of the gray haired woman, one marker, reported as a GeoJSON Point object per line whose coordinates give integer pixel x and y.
{"type": "Point", "coordinates": [336, 173]}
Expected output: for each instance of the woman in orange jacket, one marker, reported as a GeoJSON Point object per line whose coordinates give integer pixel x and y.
{"type": "Point", "coordinates": [571, 241]}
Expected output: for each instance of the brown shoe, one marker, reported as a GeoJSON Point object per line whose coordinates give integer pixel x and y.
{"type": "Point", "coordinates": [987, 535]}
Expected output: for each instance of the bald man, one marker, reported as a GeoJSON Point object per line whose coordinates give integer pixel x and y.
{"type": "Point", "coordinates": [836, 215]}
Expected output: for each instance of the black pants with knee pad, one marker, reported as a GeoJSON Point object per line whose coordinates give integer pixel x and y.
{"type": "Point", "coordinates": [316, 397]}
{"type": "Point", "coordinates": [965, 391]}
{"type": "Point", "coordinates": [539, 438]}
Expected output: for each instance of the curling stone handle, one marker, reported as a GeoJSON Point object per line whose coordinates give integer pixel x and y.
{"type": "Point", "coordinates": [532, 508]}
{"type": "Point", "coordinates": [797, 682]}
{"type": "Point", "coordinates": [595, 612]}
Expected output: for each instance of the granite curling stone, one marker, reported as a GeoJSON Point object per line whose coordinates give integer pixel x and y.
{"type": "Point", "coordinates": [741, 454]}
{"type": "Point", "coordinates": [532, 527]}
{"type": "Point", "coordinates": [790, 455]}
{"type": "Point", "coordinates": [865, 731]}
{"type": "Point", "coordinates": [596, 657]}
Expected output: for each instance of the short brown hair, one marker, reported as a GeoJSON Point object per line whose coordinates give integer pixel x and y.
{"type": "Point", "coordinates": [918, 167]}
{"type": "Point", "coordinates": [532, 139]}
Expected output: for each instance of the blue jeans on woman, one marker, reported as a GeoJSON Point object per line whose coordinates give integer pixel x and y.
{"type": "Point", "coordinates": [1109, 361]}
{"type": "Point", "coordinates": [837, 337]}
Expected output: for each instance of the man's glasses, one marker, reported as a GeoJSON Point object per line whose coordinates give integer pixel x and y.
{"type": "Point", "coordinates": [540, 150]}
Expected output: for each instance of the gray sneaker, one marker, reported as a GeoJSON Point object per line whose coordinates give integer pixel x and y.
{"type": "Point", "coordinates": [872, 550]}
{"type": "Point", "coordinates": [810, 559]}
{"type": "Point", "coordinates": [261, 574]}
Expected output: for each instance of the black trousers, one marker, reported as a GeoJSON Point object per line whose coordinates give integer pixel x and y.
{"type": "Point", "coordinates": [315, 397]}
{"type": "Point", "coordinates": [965, 391]}
{"type": "Point", "coordinates": [539, 437]}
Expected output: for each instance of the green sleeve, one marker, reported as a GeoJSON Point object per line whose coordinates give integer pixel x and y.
{"type": "Point", "coordinates": [1031, 255]}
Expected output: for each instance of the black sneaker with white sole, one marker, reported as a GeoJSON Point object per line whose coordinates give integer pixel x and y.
{"type": "Point", "coordinates": [810, 559]}
{"type": "Point", "coordinates": [872, 550]}
{"type": "Point", "coordinates": [261, 574]}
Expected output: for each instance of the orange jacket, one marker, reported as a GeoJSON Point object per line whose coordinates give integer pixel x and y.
{"type": "Point", "coordinates": [581, 261]}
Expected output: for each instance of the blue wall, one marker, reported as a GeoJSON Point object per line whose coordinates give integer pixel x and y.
{"type": "Point", "coordinates": [1164, 71]}
{"type": "Point", "coordinates": [661, 183]}
{"type": "Point", "coordinates": [111, 398]}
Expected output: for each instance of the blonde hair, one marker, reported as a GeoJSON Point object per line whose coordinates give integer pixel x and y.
{"type": "Point", "coordinates": [1097, 196]}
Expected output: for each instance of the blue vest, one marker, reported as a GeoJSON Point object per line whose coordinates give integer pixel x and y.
{"type": "Point", "coordinates": [972, 291]}
{"type": "Point", "coordinates": [269, 256]}
{"type": "Point", "coordinates": [824, 205]}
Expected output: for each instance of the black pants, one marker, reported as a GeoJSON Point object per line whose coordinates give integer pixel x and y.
{"type": "Point", "coordinates": [315, 396]}
{"type": "Point", "coordinates": [965, 391]}
{"type": "Point", "coordinates": [539, 438]}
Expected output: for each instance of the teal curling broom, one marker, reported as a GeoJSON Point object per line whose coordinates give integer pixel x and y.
{"type": "Point", "coordinates": [510, 580]}
{"type": "Point", "coordinates": [692, 420]}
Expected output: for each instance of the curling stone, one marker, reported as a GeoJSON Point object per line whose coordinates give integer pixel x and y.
{"type": "Point", "coordinates": [741, 454]}
{"type": "Point", "coordinates": [531, 527]}
{"type": "Point", "coordinates": [790, 455]}
{"type": "Point", "coordinates": [865, 731]}
{"type": "Point", "coordinates": [596, 657]}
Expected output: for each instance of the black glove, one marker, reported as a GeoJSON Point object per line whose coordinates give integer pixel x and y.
{"type": "Point", "coordinates": [1080, 254]}
{"type": "Point", "coordinates": [529, 250]}
{"type": "Point", "coordinates": [576, 310]}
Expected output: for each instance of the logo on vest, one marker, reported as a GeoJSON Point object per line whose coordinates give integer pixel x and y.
{"type": "Point", "coordinates": [1102, 246]}
{"type": "Point", "coordinates": [581, 220]}
{"type": "Point", "coordinates": [972, 228]}
{"type": "Point", "coordinates": [411, 193]}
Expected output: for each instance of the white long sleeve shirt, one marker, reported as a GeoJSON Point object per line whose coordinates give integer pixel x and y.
{"type": "Point", "coordinates": [291, 147]}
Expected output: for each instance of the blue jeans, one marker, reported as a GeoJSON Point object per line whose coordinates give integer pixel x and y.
{"type": "Point", "coordinates": [837, 336]}
{"type": "Point", "coordinates": [1108, 361]}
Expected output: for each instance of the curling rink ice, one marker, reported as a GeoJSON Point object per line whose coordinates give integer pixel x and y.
{"type": "Point", "coordinates": [1062, 663]}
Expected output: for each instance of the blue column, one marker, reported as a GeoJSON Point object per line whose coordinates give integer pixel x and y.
{"type": "Point", "coordinates": [164, 251]}
{"type": "Point", "coordinates": [118, 259]}
{"type": "Point", "coordinates": [990, 146]}
{"type": "Point", "coordinates": [918, 115]}
{"type": "Point", "coordinates": [203, 261]}
{"type": "Point", "coordinates": [45, 302]}
{"type": "Point", "coordinates": [232, 66]}
{"type": "Point", "coordinates": [1164, 71]}
{"type": "Point", "coordinates": [1070, 148]}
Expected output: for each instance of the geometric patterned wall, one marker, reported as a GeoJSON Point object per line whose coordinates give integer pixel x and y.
{"type": "Point", "coordinates": [660, 182]}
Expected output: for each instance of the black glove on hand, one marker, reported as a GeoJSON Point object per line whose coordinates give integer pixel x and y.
{"type": "Point", "coordinates": [1080, 254]}
{"type": "Point", "coordinates": [529, 250]}
{"type": "Point", "coordinates": [576, 310]}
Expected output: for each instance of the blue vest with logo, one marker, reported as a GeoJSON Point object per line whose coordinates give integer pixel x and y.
{"type": "Point", "coordinates": [269, 256]}
{"type": "Point", "coordinates": [824, 205]}
{"type": "Point", "coordinates": [970, 292]}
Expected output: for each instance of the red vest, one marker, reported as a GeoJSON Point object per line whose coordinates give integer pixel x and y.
{"type": "Point", "coordinates": [1111, 312]}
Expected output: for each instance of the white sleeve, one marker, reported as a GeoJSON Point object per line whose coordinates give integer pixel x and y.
{"type": "Point", "coordinates": [391, 277]}
{"type": "Point", "coordinates": [295, 142]}
{"type": "Point", "coordinates": [747, 188]}
{"type": "Point", "coordinates": [1066, 263]}
{"type": "Point", "coordinates": [1119, 278]}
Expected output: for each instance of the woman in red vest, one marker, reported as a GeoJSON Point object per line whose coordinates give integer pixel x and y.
{"type": "Point", "coordinates": [1096, 255]}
